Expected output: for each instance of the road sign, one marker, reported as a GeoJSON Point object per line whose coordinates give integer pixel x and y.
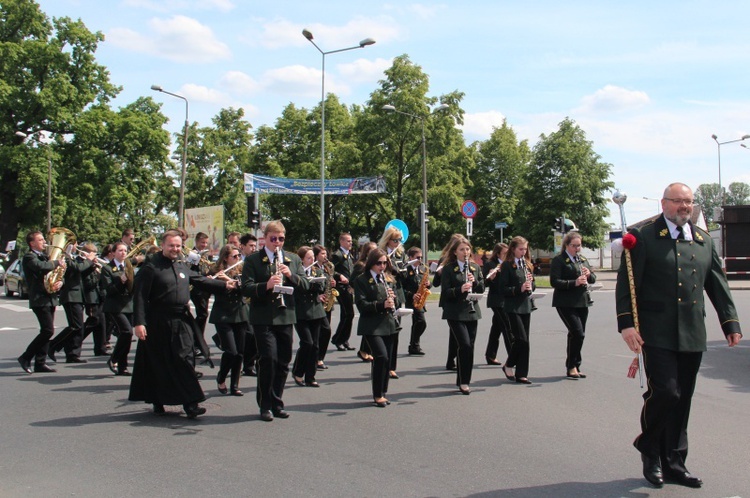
{"type": "Point", "coordinates": [469, 227]}
{"type": "Point", "coordinates": [469, 209]}
{"type": "Point", "coordinates": [500, 224]}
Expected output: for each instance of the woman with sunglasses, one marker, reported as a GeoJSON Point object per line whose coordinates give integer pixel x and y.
{"type": "Point", "coordinates": [460, 277]}
{"type": "Point", "coordinates": [391, 244]}
{"type": "Point", "coordinates": [229, 317]}
{"type": "Point", "coordinates": [376, 300]}
{"type": "Point", "coordinates": [359, 269]}
{"type": "Point", "coordinates": [310, 317]}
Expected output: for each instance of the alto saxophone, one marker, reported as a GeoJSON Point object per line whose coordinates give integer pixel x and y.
{"type": "Point", "coordinates": [331, 293]}
{"type": "Point", "coordinates": [420, 297]}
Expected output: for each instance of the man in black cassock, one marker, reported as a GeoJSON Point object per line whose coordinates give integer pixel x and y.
{"type": "Point", "coordinates": [162, 372]}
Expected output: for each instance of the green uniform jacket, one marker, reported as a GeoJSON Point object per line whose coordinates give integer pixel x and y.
{"type": "Point", "coordinates": [343, 265]}
{"type": "Point", "coordinates": [307, 302]}
{"type": "Point", "coordinates": [229, 308]}
{"type": "Point", "coordinates": [113, 291]}
{"type": "Point", "coordinates": [72, 289]}
{"type": "Point", "coordinates": [495, 297]}
{"type": "Point", "coordinates": [562, 276]}
{"type": "Point", "coordinates": [455, 304]}
{"type": "Point", "coordinates": [91, 287]}
{"type": "Point", "coordinates": [369, 296]}
{"type": "Point", "coordinates": [411, 283]}
{"type": "Point", "coordinates": [670, 278]}
{"type": "Point", "coordinates": [35, 267]}
{"type": "Point", "coordinates": [265, 305]}
{"type": "Point", "coordinates": [512, 278]}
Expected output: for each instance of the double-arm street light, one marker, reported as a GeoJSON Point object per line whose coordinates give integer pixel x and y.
{"type": "Point", "coordinates": [364, 43]}
{"type": "Point", "coordinates": [718, 147]}
{"type": "Point", "coordinates": [423, 208]}
{"type": "Point", "coordinates": [24, 136]}
{"type": "Point", "coordinates": [181, 208]}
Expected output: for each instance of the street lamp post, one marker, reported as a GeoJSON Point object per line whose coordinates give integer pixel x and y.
{"type": "Point", "coordinates": [658, 203]}
{"type": "Point", "coordinates": [364, 43]}
{"type": "Point", "coordinates": [24, 136]}
{"type": "Point", "coordinates": [423, 208]}
{"type": "Point", "coordinates": [181, 208]}
{"type": "Point", "coordinates": [718, 148]}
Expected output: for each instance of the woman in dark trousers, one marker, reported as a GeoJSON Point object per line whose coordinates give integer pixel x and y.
{"type": "Point", "coordinates": [229, 317]}
{"type": "Point", "coordinates": [460, 277]}
{"type": "Point", "coordinates": [495, 299]}
{"type": "Point", "coordinates": [376, 300]}
{"type": "Point", "coordinates": [437, 279]}
{"type": "Point", "coordinates": [359, 269]}
{"type": "Point", "coordinates": [570, 274]}
{"type": "Point", "coordinates": [116, 290]}
{"type": "Point", "coordinates": [310, 318]}
{"type": "Point", "coordinates": [392, 243]}
{"type": "Point", "coordinates": [517, 283]}
{"type": "Point", "coordinates": [324, 339]}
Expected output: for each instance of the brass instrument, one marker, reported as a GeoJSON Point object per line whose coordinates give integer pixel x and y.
{"type": "Point", "coordinates": [140, 247]}
{"type": "Point", "coordinates": [420, 297]}
{"type": "Point", "coordinates": [467, 272]}
{"type": "Point", "coordinates": [129, 275]}
{"type": "Point", "coordinates": [58, 239]}
{"type": "Point", "coordinates": [331, 292]}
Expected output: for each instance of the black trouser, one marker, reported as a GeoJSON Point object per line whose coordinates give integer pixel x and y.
{"type": "Point", "coordinates": [274, 354]}
{"type": "Point", "coordinates": [306, 361]}
{"type": "Point", "coordinates": [232, 337]}
{"type": "Point", "coordinates": [575, 321]}
{"type": "Point", "coordinates": [124, 329]}
{"type": "Point", "coordinates": [664, 418]}
{"type": "Point", "coordinates": [465, 333]}
{"type": "Point", "coordinates": [380, 345]}
{"type": "Point", "coordinates": [71, 337]}
{"type": "Point", "coordinates": [452, 349]}
{"type": "Point", "coordinates": [500, 327]}
{"type": "Point", "coordinates": [96, 324]}
{"type": "Point", "coordinates": [200, 301]}
{"type": "Point", "coordinates": [38, 347]}
{"type": "Point", "coordinates": [519, 351]}
{"type": "Point", "coordinates": [251, 349]}
{"type": "Point", "coordinates": [346, 318]}
{"type": "Point", "coordinates": [418, 326]}
{"type": "Point", "coordinates": [325, 337]}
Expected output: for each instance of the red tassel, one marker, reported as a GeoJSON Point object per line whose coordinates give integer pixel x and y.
{"type": "Point", "coordinates": [633, 368]}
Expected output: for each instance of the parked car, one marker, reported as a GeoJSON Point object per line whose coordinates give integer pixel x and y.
{"type": "Point", "coordinates": [15, 282]}
{"type": "Point", "coordinates": [2, 275]}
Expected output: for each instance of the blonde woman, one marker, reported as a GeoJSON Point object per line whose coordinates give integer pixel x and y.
{"type": "Point", "coordinates": [391, 243]}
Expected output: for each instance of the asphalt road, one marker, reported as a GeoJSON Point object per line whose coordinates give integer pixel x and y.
{"type": "Point", "coordinates": [75, 433]}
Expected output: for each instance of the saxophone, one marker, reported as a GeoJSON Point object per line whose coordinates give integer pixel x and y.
{"type": "Point", "coordinates": [331, 293]}
{"type": "Point", "coordinates": [420, 297]}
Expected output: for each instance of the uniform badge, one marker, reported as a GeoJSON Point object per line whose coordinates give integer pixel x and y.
{"type": "Point", "coordinates": [182, 275]}
{"type": "Point", "coordinates": [663, 232]}
{"type": "Point", "coordinates": [698, 237]}
{"type": "Point", "coordinates": [371, 280]}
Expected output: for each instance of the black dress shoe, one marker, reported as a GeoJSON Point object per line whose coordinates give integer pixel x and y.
{"type": "Point", "coordinates": [321, 366]}
{"type": "Point", "coordinates": [42, 368]}
{"type": "Point", "coordinates": [683, 479]}
{"type": "Point", "coordinates": [580, 375]}
{"type": "Point", "coordinates": [509, 377]}
{"type": "Point", "coordinates": [312, 383]}
{"type": "Point", "coordinates": [380, 404]}
{"type": "Point", "coordinates": [25, 364]}
{"type": "Point", "coordinates": [522, 380]}
{"type": "Point", "coordinates": [124, 372]}
{"type": "Point", "coordinates": [192, 410]}
{"type": "Point", "coordinates": [101, 353]}
{"type": "Point", "coordinates": [652, 471]}
{"type": "Point", "coordinates": [112, 366]}
{"type": "Point", "coordinates": [572, 375]}
{"type": "Point", "coordinates": [222, 390]}
{"type": "Point", "coordinates": [340, 347]}
{"type": "Point", "coordinates": [465, 390]}
{"type": "Point", "coordinates": [492, 361]}
{"type": "Point", "coordinates": [235, 391]}
{"type": "Point", "coordinates": [266, 416]}
{"type": "Point", "coordinates": [299, 381]}
{"type": "Point", "coordinates": [280, 413]}
{"type": "Point", "coordinates": [51, 355]}
{"type": "Point", "coordinates": [450, 366]}
{"type": "Point", "coordinates": [159, 409]}
{"type": "Point", "coordinates": [416, 351]}
{"type": "Point", "coordinates": [75, 359]}
{"type": "Point", "coordinates": [348, 347]}
{"type": "Point", "coordinates": [250, 372]}
{"type": "Point", "coordinates": [393, 375]}
{"type": "Point", "coordinates": [364, 356]}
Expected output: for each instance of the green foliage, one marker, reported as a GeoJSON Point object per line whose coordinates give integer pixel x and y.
{"type": "Point", "coordinates": [567, 178]}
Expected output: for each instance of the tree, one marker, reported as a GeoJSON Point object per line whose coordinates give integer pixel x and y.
{"type": "Point", "coordinates": [708, 197]}
{"type": "Point", "coordinates": [48, 76]}
{"type": "Point", "coordinates": [501, 165]}
{"type": "Point", "coordinates": [566, 178]}
{"type": "Point", "coordinates": [738, 194]}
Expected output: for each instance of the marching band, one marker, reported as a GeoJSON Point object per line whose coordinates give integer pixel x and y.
{"type": "Point", "coordinates": [260, 295]}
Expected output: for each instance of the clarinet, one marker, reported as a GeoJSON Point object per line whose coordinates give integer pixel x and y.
{"type": "Point", "coordinates": [388, 293]}
{"type": "Point", "coordinates": [527, 274]}
{"type": "Point", "coordinates": [467, 272]}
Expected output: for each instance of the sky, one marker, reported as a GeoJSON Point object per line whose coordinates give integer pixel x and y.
{"type": "Point", "coordinates": [648, 82]}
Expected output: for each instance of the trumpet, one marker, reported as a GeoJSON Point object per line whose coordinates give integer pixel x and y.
{"type": "Point", "coordinates": [97, 260]}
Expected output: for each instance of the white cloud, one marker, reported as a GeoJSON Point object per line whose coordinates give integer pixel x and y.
{"type": "Point", "coordinates": [204, 94]}
{"type": "Point", "coordinates": [281, 33]}
{"type": "Point", "coordinates": [238, 82]}
{"type": "Point", "coordinates": [172, 5]}
{"type": "Point", "coordinates": [179, 38]}
{"type": "Point", "coordinates": [613, 98]}
{"type": "Point", "coordinates": [364, 70]}
{"type": "Point", "coordinates": [481, 123]}
{"type": "Point", "coordinates": [298, 80]}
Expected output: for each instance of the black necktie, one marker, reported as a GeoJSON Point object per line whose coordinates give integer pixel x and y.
{"type": "Point", "coordinates": [680, 233]}
{"type": "Point", "coordinates": [122, 267]}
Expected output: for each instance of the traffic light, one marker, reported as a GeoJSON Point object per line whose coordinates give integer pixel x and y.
{"type": "Point", "coordinates": [253, 215]}
{"type": "Point", "coordinates": [559, 224]}
{"type": "Point", "coordinates": [424, 215]}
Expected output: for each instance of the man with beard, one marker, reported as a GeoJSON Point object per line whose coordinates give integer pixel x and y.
{"type": "Point", "coordinates": [162, 372]}
{"type": "Point", "coordinates": [673, 263]}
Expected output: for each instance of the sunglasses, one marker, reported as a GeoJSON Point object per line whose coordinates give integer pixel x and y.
{"type": "Point", "coordinates": [234, 256]}
{"type": "Point", "coordinates": [417, 257]}
{"type": "Point", "coordinates": [381, 263]}
{"type": "Point", "coordinates": [275, 239]}
{"type": "Point", "coordinates": [396, 240]}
